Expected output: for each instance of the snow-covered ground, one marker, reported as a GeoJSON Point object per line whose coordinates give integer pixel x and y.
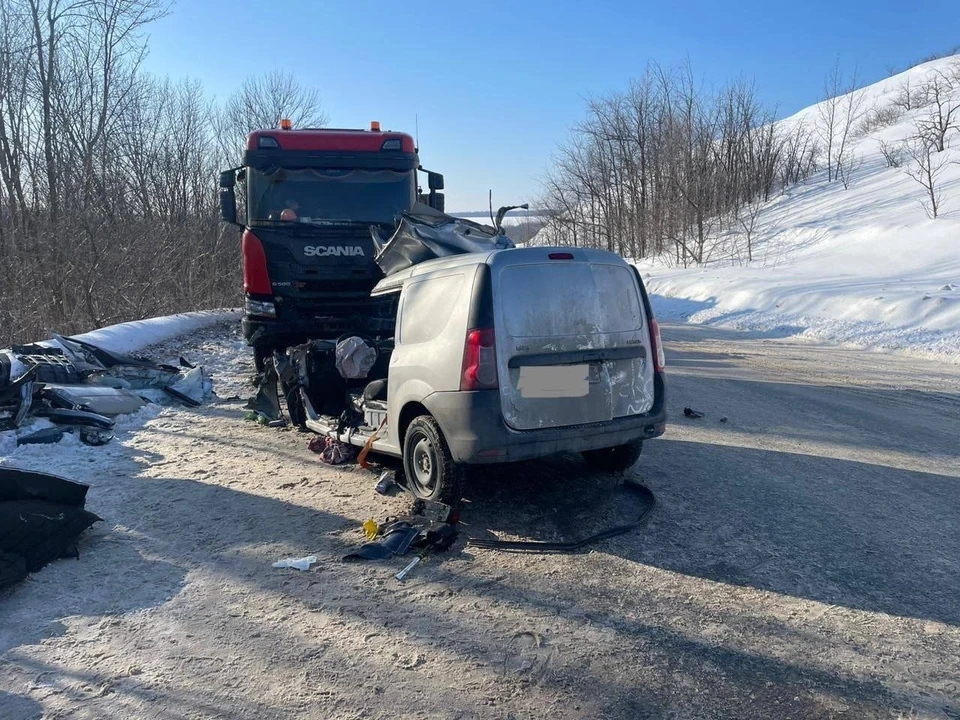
{"type": "Point", "coordinates": [863, 265]}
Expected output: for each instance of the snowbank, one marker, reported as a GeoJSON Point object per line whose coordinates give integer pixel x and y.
{"type": "Point", "coordinates": [133, 336]}
{"type": "Point", "coordinates": [864, 265]}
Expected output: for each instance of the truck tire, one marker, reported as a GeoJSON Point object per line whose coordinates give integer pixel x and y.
{"type": "Point", "coordinates": [428, 465]}
{"type": "Point", "coordinates": [614, 459]}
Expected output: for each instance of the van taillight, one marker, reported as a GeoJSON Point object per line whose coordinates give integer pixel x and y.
{"type": "Point", "coordinates": [659, 360]}
{"type": "Point", "coordinates": [479, 361]}
{"type": "Point", "coordinates": [256, 279]}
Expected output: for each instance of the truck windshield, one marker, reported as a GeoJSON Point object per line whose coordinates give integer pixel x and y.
{"type": "Point", "coordinates": [318, 195]}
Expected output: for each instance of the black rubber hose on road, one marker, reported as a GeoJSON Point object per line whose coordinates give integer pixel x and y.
{"type": "Point", "coordinates": [561, 547]}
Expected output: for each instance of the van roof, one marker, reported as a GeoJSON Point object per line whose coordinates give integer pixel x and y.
{"type": "Point", "coordinates": [494, 258]}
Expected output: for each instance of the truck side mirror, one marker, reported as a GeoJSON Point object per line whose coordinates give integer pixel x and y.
{"type": "Point", "coordinates": [436, 200]}
{"type": "Point", "coordinates": [228, 205]}
{"type": "Point", "coordinates": [228, 197]}
{"type": "Point", "coordinates": [435, 181]}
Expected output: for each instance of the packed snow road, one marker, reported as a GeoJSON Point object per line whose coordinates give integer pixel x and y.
{"type": "Point", "coordinates": [802, 563]}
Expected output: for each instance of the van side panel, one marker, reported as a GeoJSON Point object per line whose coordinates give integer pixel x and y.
{"type": "Point", "coordinates": [431, 329]}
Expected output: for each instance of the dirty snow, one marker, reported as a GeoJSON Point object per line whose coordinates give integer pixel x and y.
{"type": "Point", "coordinates": [863, 266]}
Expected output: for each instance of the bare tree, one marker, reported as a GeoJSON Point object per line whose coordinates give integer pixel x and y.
{"type": "Point", "coordinates": [892, 153]}
{"type": "Point", "coordinates": [850, 106]}
{"type": "Point", "coordinates": [666, 167]}
{"type": "Point", "coordinates": [264, 100]}
{"type": "Point", "coordinates": [944, 112]}
{"type": "Point", "coordinates": [925, 166]}
{"type": "Point", "coordinates": [848, 164]}
{"type": "Point", "coordinates": [108, 204]}
{"type": "Point", "coordinates": [747, 219]}
{"type": "Point", "coordinates": [828, 112]}
{"type": "Point", "coordinates": [907, 99]}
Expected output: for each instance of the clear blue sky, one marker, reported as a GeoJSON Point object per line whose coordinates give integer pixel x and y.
{"type": "Point", "coordinates": [497, 85]}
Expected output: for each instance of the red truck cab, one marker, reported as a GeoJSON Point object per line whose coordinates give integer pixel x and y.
{"type": "Point", "coordinates": [310, 200]}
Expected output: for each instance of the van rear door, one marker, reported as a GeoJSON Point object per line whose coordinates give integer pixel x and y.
{"type": "Point", "coordinates": [572, 341]}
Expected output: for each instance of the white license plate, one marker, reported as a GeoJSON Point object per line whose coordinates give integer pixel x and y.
{"type": "Point", "coordinates": [555, 381]}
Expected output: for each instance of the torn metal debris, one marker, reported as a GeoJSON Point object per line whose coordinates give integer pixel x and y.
{"type": "Point", "coordinates": [81, 388]}
{"type": "Point", "coordinates": [425, 234]}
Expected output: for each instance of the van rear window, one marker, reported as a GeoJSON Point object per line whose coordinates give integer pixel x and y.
{"type": "Point", "coordinates": [569, 298]}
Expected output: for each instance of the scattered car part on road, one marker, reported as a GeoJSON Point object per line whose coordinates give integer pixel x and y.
{"type": "Point", "coordinates": [41, 516]}
{"type": "Point", "coordinates": [80, 386]}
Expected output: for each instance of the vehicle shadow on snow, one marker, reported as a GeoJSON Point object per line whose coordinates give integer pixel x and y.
{"type": "Point", "coordinates": [839, 532]}
{"type": "Point", "coordinates": [33, 610]}
{"type": "Point", "coordinates": [19, 707]}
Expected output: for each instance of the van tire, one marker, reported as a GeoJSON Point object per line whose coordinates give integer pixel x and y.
{"type": "Point", "coordinates": [614, 459]}
{"type": "Point", "coordinates": [428, 466]}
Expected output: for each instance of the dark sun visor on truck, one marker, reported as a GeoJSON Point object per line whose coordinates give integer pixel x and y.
{"type": "Point", "coordinates": [385, 159]}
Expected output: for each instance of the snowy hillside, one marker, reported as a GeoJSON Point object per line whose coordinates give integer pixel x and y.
{"type": "Point", "coordinates": [863, 265]}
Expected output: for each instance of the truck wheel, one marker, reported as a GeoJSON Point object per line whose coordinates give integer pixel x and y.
{"type": "Point", "coordinates": [614, 459]}
{"type": "Point", "coordinates": [427, 463]}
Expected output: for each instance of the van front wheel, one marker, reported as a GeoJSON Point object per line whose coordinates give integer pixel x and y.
{"type": "Point", "coordinates": [427, 463]}
{"type": "Point", "coordinates": [614, 459]}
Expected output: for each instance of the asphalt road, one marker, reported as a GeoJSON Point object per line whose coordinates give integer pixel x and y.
{"type": "Point", "coordinates": [802, 563]}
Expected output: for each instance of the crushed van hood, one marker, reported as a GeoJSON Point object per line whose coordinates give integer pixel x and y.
{"type": "Point", "coordinates": [425, 234]}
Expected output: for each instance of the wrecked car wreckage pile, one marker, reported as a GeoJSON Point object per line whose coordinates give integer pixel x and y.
{"type": "Point", "coordinates": [79, 387]}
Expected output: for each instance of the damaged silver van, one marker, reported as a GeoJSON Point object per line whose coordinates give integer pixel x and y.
{"type": "Point", "coordinates": [497, 356]}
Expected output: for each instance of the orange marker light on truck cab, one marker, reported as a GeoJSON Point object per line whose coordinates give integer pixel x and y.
{"type": "Point", "coordinates": [286, 124]}
{"type": "Point", "coordinates": [374, 126]}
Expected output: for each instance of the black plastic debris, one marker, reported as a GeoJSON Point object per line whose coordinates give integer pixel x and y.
{"type": "Point", "coordinates": [47, 436]}
{"type": "Point", "coordinates": [41, 516]}
{"type": "Point", "coordinates": [435, 511]}
{"type": "Point", "coordinates": [692, 414]}
{"type": "Point", "coordinates": [432, 527]}
{"type": "Point", "coordinates": [395, 539]}
{"type": "Point", "coordinates": [182, 397]}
